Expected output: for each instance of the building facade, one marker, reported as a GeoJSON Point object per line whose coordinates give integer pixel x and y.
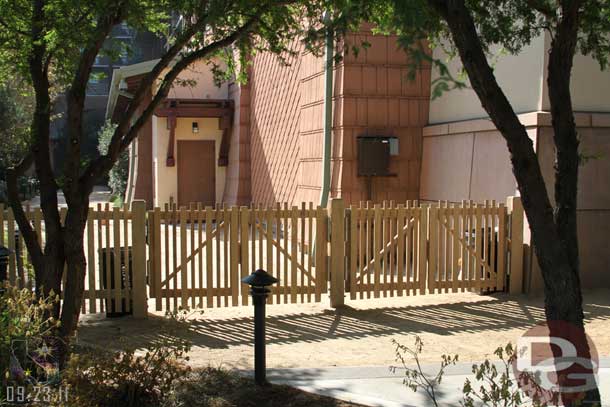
{"type": "Point", "coordinates": [267, 143]}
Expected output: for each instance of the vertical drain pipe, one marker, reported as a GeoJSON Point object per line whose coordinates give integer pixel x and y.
{"type": "Point", "coordinates": [328, 112]}
{"type": "Point", "coordinates": [328, 118]}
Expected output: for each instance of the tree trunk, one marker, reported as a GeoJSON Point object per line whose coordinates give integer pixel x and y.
{"type": "Point", "coordinates": [553, 232]}
{"type": "Point", "coordinates": [73, 245]}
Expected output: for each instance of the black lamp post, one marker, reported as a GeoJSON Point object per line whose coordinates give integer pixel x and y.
{"type": "Point", "coordinates": [258, 282]}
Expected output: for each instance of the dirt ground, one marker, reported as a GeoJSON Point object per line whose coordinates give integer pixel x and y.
{"type": "Point", "coordinates": [314, 335]}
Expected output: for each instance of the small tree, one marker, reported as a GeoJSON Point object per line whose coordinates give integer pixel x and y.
{"type": "Point", "coordinates": [54, 43]}
{"type": "Point", "coordinates": [118, 174]}
{"type": "Point", "coordinates": [16, 106]}
{"type": "Point", "coordinates": [472, 28]}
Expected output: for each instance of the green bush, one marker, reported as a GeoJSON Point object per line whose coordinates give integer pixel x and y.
{"type": "Point", "coordinates": [117, 177]}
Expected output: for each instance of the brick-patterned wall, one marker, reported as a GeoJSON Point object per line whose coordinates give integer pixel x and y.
{"type": "Point", "coordinates": [377, 98]}
{"type": "Point", "coordinates": [274, 123]}
{"type": "Point", "coordinates": [237, 186]}
{"type": "Point", "coordinates": [311, 131]}
{"type": "Point", "coordinates": [371, 95]}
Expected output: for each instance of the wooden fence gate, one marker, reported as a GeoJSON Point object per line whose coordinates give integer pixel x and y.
{"type": "Point", "coordinates": [196, 257]}
{"type": "Point", "coordinates": [411, 249]}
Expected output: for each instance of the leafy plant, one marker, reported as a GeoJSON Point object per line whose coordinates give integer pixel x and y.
{"type": "Point", "coordinates": [498, 388]}
{"type": "Point", "coordinates": [493, 387]}
{"type": "Point", "coordinates": [27, 339]}
{"type": "Point", "coordinates": [130, 377]}
{"type": "Point", "coordinates": [126, 378]}
{"type": "Point", "coordinates": [415, 378]}
{"type": "Point", "coordinates": [117, 176]}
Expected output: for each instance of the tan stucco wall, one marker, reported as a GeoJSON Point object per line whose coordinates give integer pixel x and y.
{"type": "Point", "coordinates": [589, 86]}
{"type": "Point", "coordinates": [166, 177]}
{"type": "Point", "coordinates": [197, 82]}
{"type": "Point", "coordinates": [142, 167]}
{"type": "Point", "coordinates": [593, 198]}
{"type": "Point", "coordinates": [521, 77]}
{"type": "Point", "coordinates": [470, 160]}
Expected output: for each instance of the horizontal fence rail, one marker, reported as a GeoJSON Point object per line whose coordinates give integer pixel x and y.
{"type": "Point", "coordinates": [196, 257]}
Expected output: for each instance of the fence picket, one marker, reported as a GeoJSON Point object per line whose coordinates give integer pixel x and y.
{"type": "Point", "coordinates": [234, 256]}
{"type": "Point", "coordinates": [501, 259]}
{"type": "Point", "coordinates": [245, 236]}
{"type": "Point", "coordinates": [286, 281]}
{"type": "Point", "coordinates": [209, 269]}
{"type": "Point", "coordinates": [90, 262]}
{"type": "Point", "coordinates": [400, 251]}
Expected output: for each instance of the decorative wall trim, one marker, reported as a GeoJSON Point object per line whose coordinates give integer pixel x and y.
{"type": "Point", "coordinates": [531, 119]}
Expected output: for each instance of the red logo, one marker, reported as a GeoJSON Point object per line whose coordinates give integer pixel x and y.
{"type": "Point", "coordinates": [556, 362]}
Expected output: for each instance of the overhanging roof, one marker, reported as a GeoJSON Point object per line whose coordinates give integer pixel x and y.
{"type": "Point", "coordinates": [119, 75]}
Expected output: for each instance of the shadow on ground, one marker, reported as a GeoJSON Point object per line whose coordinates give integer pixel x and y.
{"type": "Point", "coordinates": [495, 313]}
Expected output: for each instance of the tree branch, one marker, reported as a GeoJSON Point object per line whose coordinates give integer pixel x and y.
{"type": "Point", "coordinates": [40, 124]}
{"type": "Point", "coordinates": [561, 57]}
{"type": "Point", "coordinates": [543, 9]}
{"type": "Point", "coordinates": [77, 92]}
{"type": "Point", "coordinates": [29, 235]}
{"type": "Point", "coordinates": [124, 135]}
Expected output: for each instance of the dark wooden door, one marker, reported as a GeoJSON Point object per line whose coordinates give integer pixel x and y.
{"type": "Point", "coordinates": [196, 172]}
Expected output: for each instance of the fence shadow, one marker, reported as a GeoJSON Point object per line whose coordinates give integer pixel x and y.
{"type": "Point", "coordinates": [496, 314]}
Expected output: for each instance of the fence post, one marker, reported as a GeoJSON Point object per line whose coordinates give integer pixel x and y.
{"type": "Point", "coordinates": [337, 252]}
{"type": "Point", "coordinates": [321, 251]}
{"type": "Point", "coordinates": [515, 211]}
{"type": "Point", "coordinates": [138, 238]}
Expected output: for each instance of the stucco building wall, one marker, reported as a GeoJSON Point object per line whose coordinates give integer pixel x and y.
{"type": "Point", "coordinates": [521, 77]}
{"type": "Point", "coordinates": [469, 160]}
{"type": "Point", "coordinates": [593, 196]}
{"type": "Point", "coordinates": [166, 178]}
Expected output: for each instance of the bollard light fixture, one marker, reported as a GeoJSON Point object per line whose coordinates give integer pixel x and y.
{"type": "Point", "coordinates": [258, 282]}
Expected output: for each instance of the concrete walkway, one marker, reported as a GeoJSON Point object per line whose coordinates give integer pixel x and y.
{"type": "Point", "coordinates": [378, 386]}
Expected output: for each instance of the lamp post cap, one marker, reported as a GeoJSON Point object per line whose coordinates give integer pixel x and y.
{"type": "Point", "coordinates": [260, 278]}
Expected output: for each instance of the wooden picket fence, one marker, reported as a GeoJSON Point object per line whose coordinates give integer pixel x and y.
{"type": "Point", "coordinates": [196, 257]}
{"type": "Point", "coordinates": [115, 239]}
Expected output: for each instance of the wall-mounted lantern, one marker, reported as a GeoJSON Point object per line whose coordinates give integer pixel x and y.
{"type": "Point", "coordinates": [195, 127]}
